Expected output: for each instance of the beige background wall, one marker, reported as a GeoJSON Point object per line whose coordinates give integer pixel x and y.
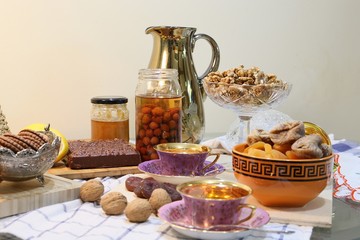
{"type": "Point", "coordinates": [56, 55]}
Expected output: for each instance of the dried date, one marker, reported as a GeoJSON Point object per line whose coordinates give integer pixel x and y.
{"type": "Point", "coordinates": [148, 185]}
{"type": "Point", "coordinates": [171, 190]}
{"type": "Point", "coordinates": [143, 188]}
{"type": "Point", "coordinates": [132, 182]}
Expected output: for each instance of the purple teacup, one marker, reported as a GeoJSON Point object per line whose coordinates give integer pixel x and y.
{"type": "Point", "coordinates": [184, 159]}
{"type": "Point", "coordinates": [216, 202]}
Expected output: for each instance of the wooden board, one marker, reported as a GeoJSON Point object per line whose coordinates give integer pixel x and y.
{"type": "Point", "coordinates": [61, 170]}
{"type": "Point", "coordinates": [20, 197]}
{"type": "Point", "coordinates": [317, 213]}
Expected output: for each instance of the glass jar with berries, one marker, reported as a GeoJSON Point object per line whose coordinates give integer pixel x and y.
{"type": "Point", "coordinates": [158, 110]}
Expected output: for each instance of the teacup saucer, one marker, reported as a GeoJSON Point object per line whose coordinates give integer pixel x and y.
{"type": "Point", "coordinates": [174, 214]}
{"type": "Point", "coordinates": [153, 169]}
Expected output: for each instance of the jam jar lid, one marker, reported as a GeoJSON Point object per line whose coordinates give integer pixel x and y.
{"type": "Point", "coordinates": [109, 100]}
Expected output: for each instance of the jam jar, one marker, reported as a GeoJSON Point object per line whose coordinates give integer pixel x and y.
{"type": "Point", "coordinates": [109, 118]}
{"type": "Point", "coordinates": [158, 103]}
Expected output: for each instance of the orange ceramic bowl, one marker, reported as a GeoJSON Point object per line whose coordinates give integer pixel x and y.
{"type": "Point", "coordinates": [282, 182]}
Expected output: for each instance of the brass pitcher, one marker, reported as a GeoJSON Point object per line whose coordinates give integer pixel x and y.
{"type": "Point", "coordinates": [172, 48]}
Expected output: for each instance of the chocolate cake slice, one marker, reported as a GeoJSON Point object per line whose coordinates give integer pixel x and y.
{"type": "Point", "coordinates": [101, 154]}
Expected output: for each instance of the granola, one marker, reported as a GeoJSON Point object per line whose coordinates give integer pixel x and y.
{"type": "Point", "coordinates": [246, 87]}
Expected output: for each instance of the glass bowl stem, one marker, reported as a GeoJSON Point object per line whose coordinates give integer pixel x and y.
{"type": "Point", "coordinates": [238, 132]}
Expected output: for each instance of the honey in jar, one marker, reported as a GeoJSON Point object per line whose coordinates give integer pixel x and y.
{"type": "Point", "coordinates": [109, 118]}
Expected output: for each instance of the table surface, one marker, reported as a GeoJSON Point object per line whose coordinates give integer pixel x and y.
{"type": "Point", "coordinates": [345, 216]}
{"type": "Point", "coordinates": [345, 224]}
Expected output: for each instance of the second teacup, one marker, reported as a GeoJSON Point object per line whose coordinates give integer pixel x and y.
{"type": "Point", "coordinates": [216, 202]}
{"type": "Point", "coordinates": [184, 159]}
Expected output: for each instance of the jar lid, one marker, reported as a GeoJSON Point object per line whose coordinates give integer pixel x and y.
{"type": "Point", "coordinates": [109, 100]}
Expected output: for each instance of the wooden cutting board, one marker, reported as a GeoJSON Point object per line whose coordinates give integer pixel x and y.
{"type": "Point", "coordinates": [20, 197]}
{"type": "Point", "coordinates": [317, 213]}
{"type": "Point", "coordinates": [61, 170]}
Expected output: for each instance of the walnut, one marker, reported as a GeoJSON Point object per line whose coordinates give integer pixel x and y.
{"type": "Point", "coordinates": [138, 210]}
{"type": "Point", "coordinates": [159, 197]}
{"type": "Point", "coordinates": [91, 190]}
{"type": "Point", "coordinates": [113, 203]}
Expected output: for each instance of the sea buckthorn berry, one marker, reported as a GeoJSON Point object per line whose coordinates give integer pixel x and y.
{"type": "Point", "coordinates": [153, 125]}
{"type": "Point", "coordinates": [157, 111]}
{"type": "Point", "coordinates": [146, 141]}
{"type": "Point", "coordinates": [146, 119]}
{"type": "Point", "coordinates": [166, 117]}
{"type": "Point", "coordinates": [146, 110]}
{"type": "Point", "coordinates": [172, 124]}
{"type": "Point", "coordinates": [154, 140]}
{"type": "Point", "coordinates": [176, 117]}
{"type": "Point", "coordinates": [149, 133]}
{"type": "Point", "coordinates": [141, 133]}
{"type": "Point", "coordinates": [157, 132]}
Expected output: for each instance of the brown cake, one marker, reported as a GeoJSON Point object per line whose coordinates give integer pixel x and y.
{"type": "Point", "coordinates": [101, 154]}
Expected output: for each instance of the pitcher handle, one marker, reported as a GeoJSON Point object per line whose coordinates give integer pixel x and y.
{"type": "Point", "coordinates": [215, 57]}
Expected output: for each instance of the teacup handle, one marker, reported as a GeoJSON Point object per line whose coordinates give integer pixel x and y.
{"type": "Point", "coordinates": [212, 163]}
{"type": "Point", "coordinates": [252, 207]}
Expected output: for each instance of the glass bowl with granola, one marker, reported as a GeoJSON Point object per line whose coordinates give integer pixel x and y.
{"type": "Point", "coordinates": [246, 92]}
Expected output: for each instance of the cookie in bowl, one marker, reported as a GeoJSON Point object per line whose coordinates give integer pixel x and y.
{"type": "Point", "coordinates": [27, 155]}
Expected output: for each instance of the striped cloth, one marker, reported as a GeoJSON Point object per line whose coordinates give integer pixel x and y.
{"type": "Point", "coordinates": [78, 220]}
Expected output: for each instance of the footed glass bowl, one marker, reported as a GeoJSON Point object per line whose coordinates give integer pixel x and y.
{"type": "Point", "coordinates": [245, 100]}
{"type": "Point", "coordinates": [28, 164]}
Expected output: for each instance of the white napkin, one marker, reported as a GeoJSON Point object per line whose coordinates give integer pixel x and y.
{"type": "Point", "coordinates": [218, 145]}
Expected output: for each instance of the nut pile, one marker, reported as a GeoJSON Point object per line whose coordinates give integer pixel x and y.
{"type": "Point", "coordinates": [137, 210]}
{"type": "Point", "coordinates": [25, 139]}
{"type": "Point", "coordinates": [240, 86]}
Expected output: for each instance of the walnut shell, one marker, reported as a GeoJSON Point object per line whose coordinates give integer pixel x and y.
{"type": "Point", "coordinates": [138, 210]}
{"type": "Point", "coordinates": [91, 190]}
{"type": "Point", "coordinates": [113, 203]}
{"type": "Point", "coordinates": [159, 197]}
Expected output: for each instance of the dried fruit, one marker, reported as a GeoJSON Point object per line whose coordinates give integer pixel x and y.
{"type": "Point", "coordinates": [132, 182]}
{"type": "Point", "coordinates": [143, 188]}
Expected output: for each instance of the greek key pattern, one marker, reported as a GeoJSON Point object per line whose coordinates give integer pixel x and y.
{"type": "Point", "coordinates": [269, 169]}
